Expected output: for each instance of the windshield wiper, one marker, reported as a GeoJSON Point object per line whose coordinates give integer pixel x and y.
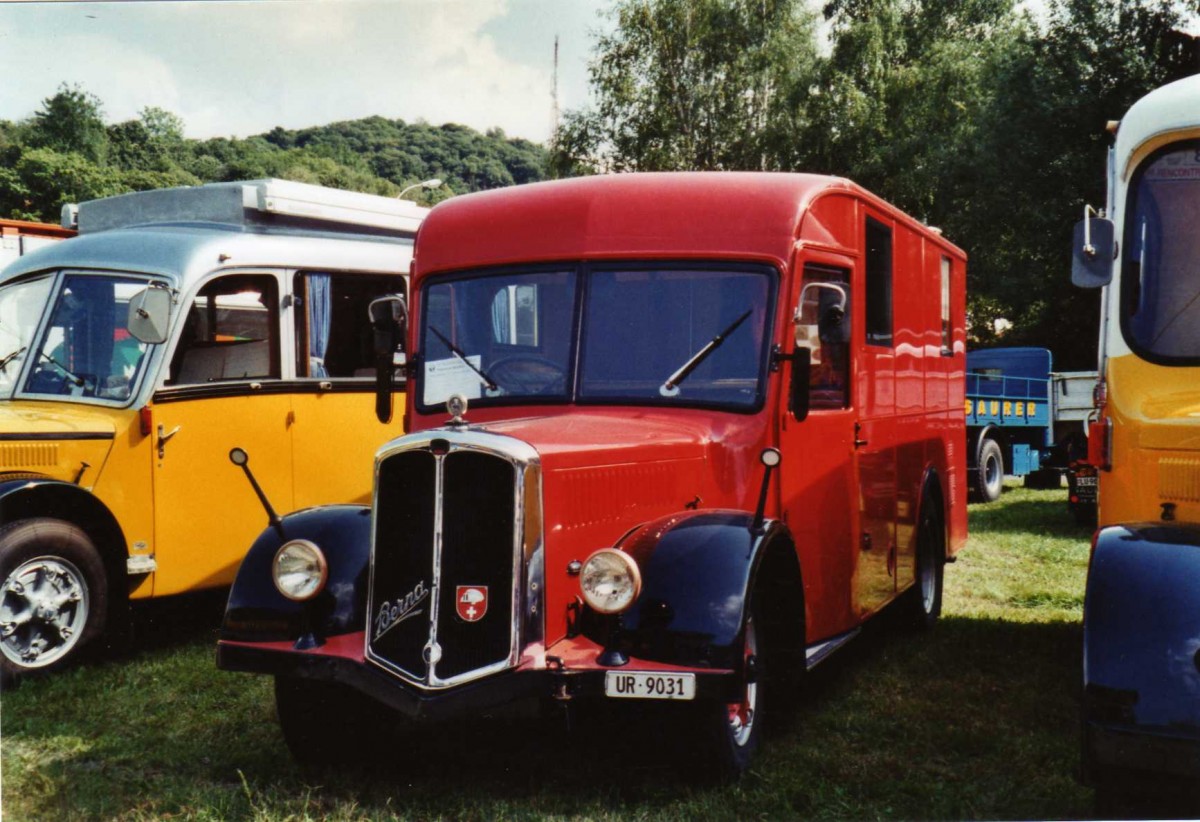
{"type": "Point", "coordinates": [488, 382]}
{"type": "Point", "coordinates": [671, 387]}
{"type": "Point", "coordinates": [70, 377]}
{"type": "Point", "coordinates": [10, 357]}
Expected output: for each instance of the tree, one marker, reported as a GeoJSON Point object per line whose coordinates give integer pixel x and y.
{"type": "Point", "coordinates": [701, 84]}
{"type": "Point", "coordinates": [71, 121]}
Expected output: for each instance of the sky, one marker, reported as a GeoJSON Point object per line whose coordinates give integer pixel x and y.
{"type": "Point", "coordinates": [243, 67]}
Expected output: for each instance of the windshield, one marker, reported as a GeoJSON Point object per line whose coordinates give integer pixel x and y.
{"type": "Point", "coordinates": [22, 305]}
{"type": "Point", "coordinates": [664, 334]}
{"type": "Point", "coordinates": [1160, 293]}
{"type": "Point", "coordinates": [85, 350]}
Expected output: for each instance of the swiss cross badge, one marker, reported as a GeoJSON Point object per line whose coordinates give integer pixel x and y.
{"type": "Point", "coordinates": [471, 602]}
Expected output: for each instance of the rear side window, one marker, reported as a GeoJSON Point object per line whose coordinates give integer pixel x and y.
{"type": "Point", "coordinates": [879, 283]}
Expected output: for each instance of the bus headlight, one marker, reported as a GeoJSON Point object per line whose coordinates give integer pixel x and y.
{"type": "Point", "coordinates": [299, 570]}
{"type": "Point", "coordinates": [610, 581]}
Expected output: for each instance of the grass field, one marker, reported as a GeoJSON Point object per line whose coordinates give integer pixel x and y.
{"type": "Point", "coordinates": [977, 719]}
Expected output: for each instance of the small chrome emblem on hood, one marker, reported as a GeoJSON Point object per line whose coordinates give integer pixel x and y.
{"type": "Point", "coordinates": [457, 408]}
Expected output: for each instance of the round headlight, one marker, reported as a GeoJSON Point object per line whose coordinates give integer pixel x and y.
{"type": "Point", "coordinates": [299, 570]}
{"type": "Point", "coordinates": [610, 581]}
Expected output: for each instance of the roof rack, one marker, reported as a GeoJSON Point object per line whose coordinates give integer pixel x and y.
{"type": "Point", "coordinates": [251, 204]}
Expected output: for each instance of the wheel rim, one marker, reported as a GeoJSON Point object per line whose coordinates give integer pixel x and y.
{"type": "Point", "coordinates": [741, 713]}
{"type": "Point", "coordinates": [992, 475]}
{"type": "Point", "coordinates": [43, 609]}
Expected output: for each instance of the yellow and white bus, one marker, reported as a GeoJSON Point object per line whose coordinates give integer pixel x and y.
{"type": "Point", "coordinates": [180, 324]}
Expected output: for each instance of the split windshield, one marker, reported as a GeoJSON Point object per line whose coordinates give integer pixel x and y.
{"type": "Point", "coordinates": [679, 335]}
{"type": "Point", "coordinates": [1160, 299]}
{"type": "Point", "coordinates": [84, 351]}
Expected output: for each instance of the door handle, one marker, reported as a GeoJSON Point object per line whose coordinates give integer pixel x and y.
{"type": "Point", "coordinates": [858, 443]}
{"type": "Point", "coordinates": [164, 438]}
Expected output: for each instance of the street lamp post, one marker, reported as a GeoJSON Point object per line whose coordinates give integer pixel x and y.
{"type": "Point", "coordinates": [429, 185]}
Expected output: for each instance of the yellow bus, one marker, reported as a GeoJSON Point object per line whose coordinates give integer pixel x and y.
{"type": "Point", "coordinates": [177, 325]}
{"type": "Point", "coordinates": [1141, 717]}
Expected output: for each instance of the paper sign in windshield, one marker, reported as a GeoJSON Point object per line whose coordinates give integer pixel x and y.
{"type": "Point", "coordinates": [452, 376]}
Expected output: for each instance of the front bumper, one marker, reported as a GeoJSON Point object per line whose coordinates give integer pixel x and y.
{"type": "Point", "coordinates": [565, 671]}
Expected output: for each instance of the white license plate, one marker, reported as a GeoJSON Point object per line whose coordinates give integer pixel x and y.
{"type": "Point", "coordinates": [634, 685]}
{"type": "Point", "coordinates": [1085, 481]}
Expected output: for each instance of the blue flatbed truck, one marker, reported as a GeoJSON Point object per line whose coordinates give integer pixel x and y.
{"type": "Point", "coordinates": [1023, 418]}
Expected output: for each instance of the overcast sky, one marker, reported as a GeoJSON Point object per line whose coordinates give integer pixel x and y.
{"type": "Point", "coordinates": [241, 68]}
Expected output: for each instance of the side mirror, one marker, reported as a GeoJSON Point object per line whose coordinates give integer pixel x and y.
{"type": "Point", "coordinates": [389, 319]}
{"type": "Point", "coordinates": [149, 313]}
{"type": "Point", "coordinates": [798, 393]}
{"type": "Point", "coordinates": [1092, 252]}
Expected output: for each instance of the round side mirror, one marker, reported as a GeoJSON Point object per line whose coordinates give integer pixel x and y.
{"type": "Point", "coordinates": [238, 456]}
{"type": "Point", "coordinates": [771, 457]}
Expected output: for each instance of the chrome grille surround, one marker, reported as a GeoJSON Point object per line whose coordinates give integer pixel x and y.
{"type": "Point", "coordinates": [526, 622]}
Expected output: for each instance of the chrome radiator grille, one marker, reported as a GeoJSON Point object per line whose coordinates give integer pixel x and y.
{"type": "Point", "coordinates": [456, 537]}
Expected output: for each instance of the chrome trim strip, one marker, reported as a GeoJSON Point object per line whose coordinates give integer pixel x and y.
{"type": "Point", "coordinates": [814, 655]}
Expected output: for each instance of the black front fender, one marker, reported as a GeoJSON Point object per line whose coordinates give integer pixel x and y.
{"type": "Point", "coordinates": [257, 612]}
{"type": "Point", "coordinates": [1141, 640]}
{"type": "Point", "coordinates": [699, 569]}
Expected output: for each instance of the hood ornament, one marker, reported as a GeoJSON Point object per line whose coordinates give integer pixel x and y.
{"type": "Point", "coordinates": [456, 406]}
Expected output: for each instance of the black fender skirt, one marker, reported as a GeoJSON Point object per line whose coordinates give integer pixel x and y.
{"type": "Point", "coordinates": [257, 612]}
{"type": "Point", "coordinates": [1141, 652]}
{"type": "Point", "coordinates": [698, 568]}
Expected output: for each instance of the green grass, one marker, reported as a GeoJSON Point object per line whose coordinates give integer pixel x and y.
{"type": "Point", "coordinates": [977, 719]}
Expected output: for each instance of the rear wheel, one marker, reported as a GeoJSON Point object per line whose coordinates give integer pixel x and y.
{"type": "Point", "coordinates": [53, 598]}
{"type": "Point", "coordinates": [989, 478]}
{"type": "Point", "coordinates": [925, 599]}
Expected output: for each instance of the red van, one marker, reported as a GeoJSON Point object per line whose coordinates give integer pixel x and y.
{"type": "Point", "coordinates": [673, 438]}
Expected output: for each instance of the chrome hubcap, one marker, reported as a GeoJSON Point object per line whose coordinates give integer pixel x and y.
{"type": "Point", "coordinates": [741, 714]}
{"type": "Point", "coordinates": [43, 608]}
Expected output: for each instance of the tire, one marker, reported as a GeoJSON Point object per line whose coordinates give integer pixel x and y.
{"type": "Point", "coordinates": [53, 596]}
{"type": "Point", "coordinates": [325, 724]}
{"type": "Point", "coordinates": [989, 478]}
{"type": "Point", "coordinates": [925, 598]}
{"type": "Point", "coordinates": [734, 730]}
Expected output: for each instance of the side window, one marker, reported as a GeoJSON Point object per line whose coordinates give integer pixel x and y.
{"type": "Point", "coordinates": [333, 333]}
{"type": "Point", "coordinates": [822, 324]}
{"type": "Point", "coordinates": [230, 332]}
{"type": "Point", "coordinates": [879, 283]}
{"type": "Point", "coordinates": [947, 329]}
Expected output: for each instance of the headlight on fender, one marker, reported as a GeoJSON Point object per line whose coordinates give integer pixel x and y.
{"type": "Point", "coordinates": [610, 581]}
{"type": "Point", "coordinates": [299, 570]}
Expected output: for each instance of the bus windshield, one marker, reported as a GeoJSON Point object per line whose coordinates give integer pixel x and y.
{"type": "Point", "coordinates": [1160, 293]}
{"type": "Point", "coordinates": [85, 350]}
{"type": "Point", "coordinates": [687, 334]}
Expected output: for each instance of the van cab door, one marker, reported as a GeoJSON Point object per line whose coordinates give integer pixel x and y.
{"type": "Point", "coordinates": [818, 496]}
{"type": "Point", "coordinates": [224, 389]}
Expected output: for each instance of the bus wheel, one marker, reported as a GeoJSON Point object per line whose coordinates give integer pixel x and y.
{"type": "Point", "coordinates": [53, 598]}
{"type": "Point", "coordinates": [989, 481]}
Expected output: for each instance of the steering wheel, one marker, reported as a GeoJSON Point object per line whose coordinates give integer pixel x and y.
{"type": "Point", "coordinates": [528, 374]}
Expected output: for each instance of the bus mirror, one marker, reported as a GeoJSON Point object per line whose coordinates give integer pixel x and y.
{"type": "Point", "coordinates": [389, 319]}
{"type": "Point", "coordinates": [799, 389]}
{"type": "Point", "coordinates": [1092, 252]}
{"type": "Point", "coordinates": [149, 312]}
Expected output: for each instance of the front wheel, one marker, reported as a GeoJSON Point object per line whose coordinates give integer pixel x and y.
{"type": "Point", "coordinates": [53, 599]}
{"type": "Point", "coordinates": [325, 724]}
{"type": "Point", "coordinates": [989, 478]}
{"type": "Point", "coordinates": [735, 728]}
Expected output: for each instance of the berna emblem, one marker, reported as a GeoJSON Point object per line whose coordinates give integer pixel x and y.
{"type": "Point", "coordinates": [472, 602]}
